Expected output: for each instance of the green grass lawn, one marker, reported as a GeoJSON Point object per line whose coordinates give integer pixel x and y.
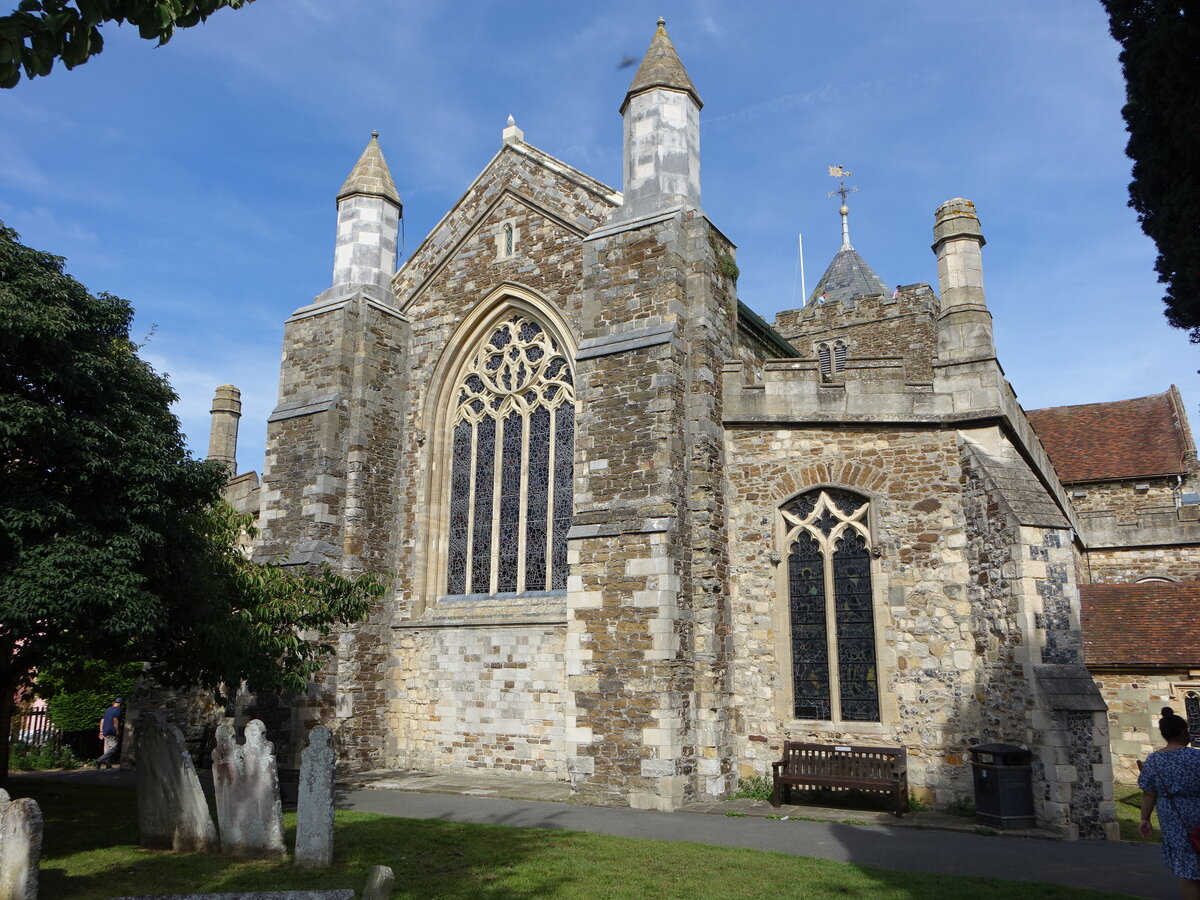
{"type": "Point", "coordinates": [1129, 813]}
{"type": "Point", "coordinates": [90, 851]}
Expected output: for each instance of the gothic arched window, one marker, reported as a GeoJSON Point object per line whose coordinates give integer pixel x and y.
{"type": "Point", "coordinates": [513, 445]}
{"type": "Point", "coordinates": [508, 239]}
{"type": "Point", "coordinates": [831, 607]}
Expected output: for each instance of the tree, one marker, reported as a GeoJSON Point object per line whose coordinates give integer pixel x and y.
{"type": "Point", "coordinates": [1160, 57]}
{"type": "Point", "coordinates": [39, 32]}
{"type": "Point", "coordinates": [115, 543]}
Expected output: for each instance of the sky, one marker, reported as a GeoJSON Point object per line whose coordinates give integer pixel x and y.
{"type": "Point", "coordinates": [197, 179]}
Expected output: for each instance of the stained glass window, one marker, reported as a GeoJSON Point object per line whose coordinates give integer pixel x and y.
{"type": "Point", "coordinates": [511, 477]}
{"type": "Point", "coordinates": [831, 607]}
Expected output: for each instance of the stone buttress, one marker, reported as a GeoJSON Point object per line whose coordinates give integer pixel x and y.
{"type": "Point", "coordinates": [646, 652]}
{"type": "Point", "coordinates": [332, 440]}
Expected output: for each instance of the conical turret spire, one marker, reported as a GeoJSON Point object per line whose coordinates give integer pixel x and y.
{"type": "Point", "coordinates": [661, 68]}
{"type": "Point", "coordinates": [370, 175]}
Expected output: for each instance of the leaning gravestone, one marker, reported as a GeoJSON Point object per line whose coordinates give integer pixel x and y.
{"type": "Point", "coordinates": [314, 805]}
{"type": "Point", "coordinates": [247, 787]}
{"type": "Point", "coordinates": [172, 811]}
{"type": "Point", "coordinates": [20, 847]}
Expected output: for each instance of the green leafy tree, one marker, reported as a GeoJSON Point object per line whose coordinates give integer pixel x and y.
{"type": "Point", "coordinates": [80, 691]}
{"type": "Point", "coordinates": [115, 544]}
{"type": "Point", "coordinates": [38, 32]}
{"type": "Point", "coordinates": [1160, 56]}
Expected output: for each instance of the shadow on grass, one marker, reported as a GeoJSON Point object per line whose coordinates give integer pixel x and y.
{"type": "Point", "coordinates": [90, 853]}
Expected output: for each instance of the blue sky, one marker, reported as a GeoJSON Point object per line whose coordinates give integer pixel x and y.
{"type": "Point", "coordinates": [198, 179]}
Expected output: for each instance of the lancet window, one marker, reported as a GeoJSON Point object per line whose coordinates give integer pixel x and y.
{"type": "Point", "coordinates": [513, 445]}
{"type": "Point", "coordinates": [831, 607]}
{"type": "Point", "coordinates": [832, 358]}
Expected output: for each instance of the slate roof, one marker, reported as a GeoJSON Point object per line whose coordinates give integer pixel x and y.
{"type": "Point", "coordinates": [1137, 438]}
{"type": "Point", "coordinates": [848, 276]}
{"type": "Point", "coordinates": [661, 68]}
{"type": "Point", "coordinates": [1146, 625]}
{"type": "Point", "coordinates": [371, 175]}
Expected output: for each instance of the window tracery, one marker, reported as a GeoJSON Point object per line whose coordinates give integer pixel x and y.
{"type": "Point", "coordinates": [512, 444]}
{"type": "Point", "coordinates": [831, 607]}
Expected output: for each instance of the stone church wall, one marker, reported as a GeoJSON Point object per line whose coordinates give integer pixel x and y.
{"type": "Point", "coordinates": [1130, 564]}
{"type": "Point", "coordinates": [470, 698]}
{"type": "Point", "coordinates": [1135, 700]}
{"type": "Point", "coordinates": [923, 615]}
{"type": "Point", "coordinates": [873, 326]}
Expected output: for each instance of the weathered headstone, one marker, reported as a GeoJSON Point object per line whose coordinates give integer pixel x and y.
{"type": "Point", "coordinates": [314, 803]}
{"type": "Point", "coordinates": [247, 786]}
{"type": "Point", "coordinates": [172, 811]}
{"type": "Point", "coordinates": [20, 847]}
{"type": "Point", "coordinates": [379, 884]}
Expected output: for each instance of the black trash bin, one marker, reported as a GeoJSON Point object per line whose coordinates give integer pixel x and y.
{"type": "Point", "coordinates": [1003, 786]}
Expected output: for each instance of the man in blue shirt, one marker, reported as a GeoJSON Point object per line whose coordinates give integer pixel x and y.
{"type": "Point", "coordinates": [110, 726]}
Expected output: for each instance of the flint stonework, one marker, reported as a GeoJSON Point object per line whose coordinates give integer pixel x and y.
{"type": "Point", "coordinates": [246, 781]}
{"type": "Point", "coordinates": [172, 811]}
{"type": "Point", "coordinates": [20, 847]}
{"type": "Point", "coordinates": [314, 804]}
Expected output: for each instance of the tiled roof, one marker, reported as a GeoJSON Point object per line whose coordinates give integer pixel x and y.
{"type": "Point", "coordinates": [661, 68]}
{"type": "Point", "coordinates": [848, 276]}
{"type": "Point", "coordinates": [1141, 625]}
{"type": "Point", "coordinates": [1124, 439]}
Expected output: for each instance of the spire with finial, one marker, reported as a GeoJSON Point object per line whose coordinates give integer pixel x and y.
{"type": "Point", "coordinates": [369, 212]}
{"type": "Point", "coordinates": [661, 68]}
{"type": "Point", "coordinates": [370, 175]}
{"type": "Point", "coordinates": [848, 275]}
{"type": "Point", "coordinates": [842, 191]}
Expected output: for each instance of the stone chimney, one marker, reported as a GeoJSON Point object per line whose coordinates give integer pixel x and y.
{"type": "Point", "coordinates": [368, 221]}
{"type": "Point", "coordinates": [662, 134]}
{"type": "Point", "coordinates": [222, 435]}
{"type": "Point", "coordinates": [964, 325]}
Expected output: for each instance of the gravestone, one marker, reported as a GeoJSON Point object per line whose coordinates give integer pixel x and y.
{"type": "Point", "coordinates": [20, 847]}
{"type": "Point", "coordinates": [247, 786]}
{"type": "Point", "coordinates": [314, 803]}
{"type": "Point", "coordinates": [379, 883]}
{"type": "Point", "coordinates": [172, 811]}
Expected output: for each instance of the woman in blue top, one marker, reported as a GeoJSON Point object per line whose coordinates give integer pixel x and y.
{"type": "Point", "coordinates": [1174, 771]}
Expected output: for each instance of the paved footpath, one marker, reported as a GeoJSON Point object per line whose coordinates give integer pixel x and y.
{"type": "Point", "coordinates": [1134, 869]}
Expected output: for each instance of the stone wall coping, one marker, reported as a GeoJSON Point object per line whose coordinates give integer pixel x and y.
{"type": "Point", "coordinates": [633, 224]}
{"type": "Point", "coordinates": [304, 406]}
{"type": "Point", "coordinates": [1144, 528]}
{"type": "Point", "coordinates": [611, 529]}
{"type": "Point", "coordinates": [623, 341]}
{"type": "Point", "coordinates": [341, 296]}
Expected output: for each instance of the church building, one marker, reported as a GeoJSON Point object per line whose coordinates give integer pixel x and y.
{"type": "Point", "coordinates": [638, 537]}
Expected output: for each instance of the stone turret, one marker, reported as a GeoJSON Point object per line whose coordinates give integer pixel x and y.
{"type": "Point", "coordinates": [964, 325]}
{"type": "Point", "coordinates": [223, 433]}
{"type": "Point", "coordinates": [369, 211]}
{"type": "Point", "coordinates": [662, 134]}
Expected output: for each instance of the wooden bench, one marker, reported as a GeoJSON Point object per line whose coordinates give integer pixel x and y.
{"type": "Point", "coordinates": [831, 765]}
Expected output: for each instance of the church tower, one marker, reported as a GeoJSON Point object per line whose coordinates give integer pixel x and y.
{"type": "Point", "coordinates": [646, 651]}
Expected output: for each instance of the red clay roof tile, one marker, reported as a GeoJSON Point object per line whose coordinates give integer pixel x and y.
{"type": "Point", "coordinates": [1123, 439]}
{"type": "Point", "coordinates": [1141, 625]}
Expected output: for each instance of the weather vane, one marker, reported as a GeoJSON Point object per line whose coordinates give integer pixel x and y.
{"type": "Point", "coordinates": [840, 173]}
